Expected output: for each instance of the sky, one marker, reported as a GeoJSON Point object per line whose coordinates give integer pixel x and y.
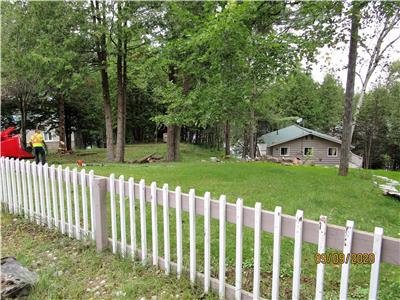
{"type": "Point", "coordinates": [335, 60]}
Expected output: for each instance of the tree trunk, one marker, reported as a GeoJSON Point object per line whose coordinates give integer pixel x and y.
{"type": "Point", "coordinates": [23, 121]}
{"type": "Point", "coordinates": [120, 115]}
{"type": "Point", "coordinates": [173, 139]}
{"type": "Point", "coordinates": [61, 123]}
{"type": "Point", "coordinates": [78, 139]}
{"type": "Point", "coordinates": [68, 133]}
{"type": "Point", "coordinates": [124, 85]}
{"type": "Point", "coordinates": [173, 130]}
{"type": "Point", "coordinates": [245, 142]}
{"type": "Point", "coordinates": [121, 92]}
{"type": "Point", "coordinates": [369, 151]}
{"type": "Point", "coordinates": [348, 101]}
{"type": "Point", "coordinates": [227, 137]}
{"type": "Point", "coordinates": [102, 60]}
{"type": "Point", "coordinates": [252, 147]}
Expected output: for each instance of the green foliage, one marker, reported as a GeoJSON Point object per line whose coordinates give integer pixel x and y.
{"type": "Point", "coordinates": [377, 131]}
{"type": "Point", "coordinates": [319, 105]}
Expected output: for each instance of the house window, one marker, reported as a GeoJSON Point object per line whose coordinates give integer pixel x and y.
{"type": "Point", "coordinates": [284, 151]}
{"type": "Point", "coordinates": [308, 151]}
{"type": "Point", "coordinates": [332, 151]}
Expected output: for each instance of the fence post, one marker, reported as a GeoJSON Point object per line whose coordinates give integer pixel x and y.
{"type": "Point", "coordinates": [100, 212]}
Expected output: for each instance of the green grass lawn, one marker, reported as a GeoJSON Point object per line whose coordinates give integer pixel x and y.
{"type": "Point", "coordinates": [316, 190]}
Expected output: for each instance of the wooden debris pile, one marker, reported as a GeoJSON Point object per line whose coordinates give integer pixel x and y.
{"type": "Point", "coordinates": [389, 187]}
{"type": "Point", "coordinates": [146, 159]}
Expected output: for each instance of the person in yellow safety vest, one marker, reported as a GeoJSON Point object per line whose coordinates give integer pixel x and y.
{"type": "Point", "coordinates": [39, 147]}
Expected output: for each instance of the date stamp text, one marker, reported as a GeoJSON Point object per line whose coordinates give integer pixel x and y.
{"type": "Point", "coordinates": [337, 258]}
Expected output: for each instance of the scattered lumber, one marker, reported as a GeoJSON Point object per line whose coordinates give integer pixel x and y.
{"type": "Point", "coordinates": [389, 187]}
{"type": "Point", "coordinates": [146, 159]}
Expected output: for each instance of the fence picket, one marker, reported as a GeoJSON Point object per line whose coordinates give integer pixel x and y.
{"type": "Point", "coordinates": [239, 249]}
{"type": "Point", "coordinates": [76, 204]}
{"type": "Point", "coordinates": [122, 214]}
{"type": "Point", "coordinates": [84, 202]}
{"type": "Point", "coordinates": [131, 190]}
{"type": "Point", "coordinates": [92, 226]}
{"type": "Point", "coordinates": [376, 250]}
{"type": "Point", "coordinates": [167, 255]}
{"type": "Point", "coordinates": [154, 223]}
{"type": "Point", "coordinates": [18, 184]}
{"type": "Point", "coordinates": [178, 206]}
{"type": "Point", "coordinates": [277, 252]}
{"type": "Point", "coordinates": [24, 191]}
{"type": "Point", "coordinates": [1, 184]}
{"type": "Point", "coordinates": [298, 238]}
{"type": "Point", "coordinates": [47, 193]}
{"type": "Point", "coordinates": [143, 236]}
{"type": "Point", "coordinates": [61, 198]}
{"type": "Point", "coordinates": [41, 194]}
{"type": "Point", "coordinates": [222, 246]}
{"type": "Point", "coordinates": [54, 195]}
{"type": "Point", "coordinates": [257, 246]}
{"type": "Point", "coordinates": [36, 192]}
{"type": "Point", "coordinates": [207, 241]}
{"type": "Point", "coordinates": [113, 214]}
{"type": "Point", "coordinates": [28, 170]}
{"type": "Point", "coordinates": [319, 286]}
{"type": "Point", "coordinates": [344, 278]}
{"type": "Point", "coordinates": [4, 183]}
{"type": "Point", "coordinates": [192, 235]}
{"type": "Point", "coordinates": [8, 180]}
{"type": "Point", "coordinates": [14, 187]}
{"type": "Point", "coordinates": [69, 203]}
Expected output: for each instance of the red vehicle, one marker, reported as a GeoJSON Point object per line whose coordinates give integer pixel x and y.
{"type": "Point", "coordinates": [10, 145]}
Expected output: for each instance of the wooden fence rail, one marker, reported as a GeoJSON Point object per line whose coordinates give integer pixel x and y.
{"type": "Point", "coordinates": [43, 194]}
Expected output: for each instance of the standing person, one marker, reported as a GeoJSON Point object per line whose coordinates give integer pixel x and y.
{"type": "Point", "coordinates": [39, 146]}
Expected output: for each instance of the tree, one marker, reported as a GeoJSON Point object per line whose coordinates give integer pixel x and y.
{"type": "Point", "coordinates": [100, 23]}
{"type": "Point", "coordinates": [348, 101]}
{"type": "Point", "coordinates": [388, 14]}
{"type": "Point", "coordinates": [330, 103]}
{"type": "Point", "coordinates": [21, 67]}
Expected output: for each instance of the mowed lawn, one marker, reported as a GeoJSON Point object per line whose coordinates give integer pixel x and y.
{"type": "Point", "coordinates": [315, 190]}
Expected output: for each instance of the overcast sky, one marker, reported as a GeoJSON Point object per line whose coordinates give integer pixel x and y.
{"type": "Point", "coordinates": [335, 60]}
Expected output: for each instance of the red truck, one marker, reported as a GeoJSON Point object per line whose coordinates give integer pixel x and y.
{"type": "Point", "coordinates": [10, 145]}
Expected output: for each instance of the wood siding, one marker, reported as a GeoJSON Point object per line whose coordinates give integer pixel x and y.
{"type": "Point", "coordinates": [320, 150]}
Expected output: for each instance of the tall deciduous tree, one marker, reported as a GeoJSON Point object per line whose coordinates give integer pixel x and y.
{"type": "Point", "coordinates": [348, 101]}
{"type": "Point", "coordinates": [101, 28]}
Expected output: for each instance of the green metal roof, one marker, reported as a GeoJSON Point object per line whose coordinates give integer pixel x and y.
{"type": "Point", "coordinates": [291, 133]}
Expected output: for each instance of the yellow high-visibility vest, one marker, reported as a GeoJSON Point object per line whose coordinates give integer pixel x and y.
{"type": "Point", "coordinates": [37, 140]}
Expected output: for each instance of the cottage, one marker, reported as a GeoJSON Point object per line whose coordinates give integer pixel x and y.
{"type": "Point", "coordinates": [308, 145]}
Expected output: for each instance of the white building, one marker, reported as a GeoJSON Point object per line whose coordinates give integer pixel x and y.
{"type": "Point", "coordinates": [51, 138]}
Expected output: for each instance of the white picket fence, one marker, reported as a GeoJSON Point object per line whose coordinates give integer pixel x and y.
{"type": "Point", "coordinates": [41, 192]}
{"type": "Point", "coordinates": [35, 192]}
